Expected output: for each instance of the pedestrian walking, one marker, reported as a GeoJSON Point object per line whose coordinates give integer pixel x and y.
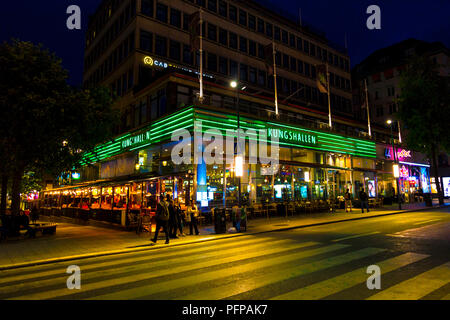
{"type": "Point", "coordinates": [364, 200]}
{"type": "Point", "coordinates": [162, 219]}
{"type": "Point", "coordinates": [348, 201]}
{"type": "Point", "coordinates": [173, 221]}
{"type": "Point", "coordinates": [192, 212]}
{"type": "Point", "coordinates": [179, 215]}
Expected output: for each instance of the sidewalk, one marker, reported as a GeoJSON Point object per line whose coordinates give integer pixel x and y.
{"type": "Point", "coordinates": [75, 241]}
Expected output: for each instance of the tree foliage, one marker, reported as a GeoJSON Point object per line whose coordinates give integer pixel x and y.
{"type": "Point", "coordinates": [44, 123]}
{"type": "Point", "coordinates": [424, 108]}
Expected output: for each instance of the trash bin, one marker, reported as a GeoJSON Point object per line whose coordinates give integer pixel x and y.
{"type": "Point", "coordinates": [428, 199]}
{"type": "Point", "coordinates": [220, 223]}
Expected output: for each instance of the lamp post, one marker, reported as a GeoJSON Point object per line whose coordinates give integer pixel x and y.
{"type": "Point", "coordinates": [238, 160]}
{"type": "Point", "coordinates": [395, 167]}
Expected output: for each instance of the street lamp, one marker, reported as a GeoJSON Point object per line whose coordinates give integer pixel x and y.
{"type": "Point", "coordinates": [395, 167]}
{"type": "Point", "coordinates": [238, 161]}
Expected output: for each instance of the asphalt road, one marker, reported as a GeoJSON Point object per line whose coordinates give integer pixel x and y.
{"type": "Point", "coordinates": [412, 251]}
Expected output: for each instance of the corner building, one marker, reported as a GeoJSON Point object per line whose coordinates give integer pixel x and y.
{"type": "Point", "coordinates": [141, 50]}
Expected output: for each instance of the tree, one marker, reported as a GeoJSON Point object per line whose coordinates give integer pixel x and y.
{"type": "Point", "coordinates": [45, 123]}
{"type": "Point", "coordinates": [424, 110]}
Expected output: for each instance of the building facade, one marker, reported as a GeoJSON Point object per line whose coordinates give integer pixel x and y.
{"type": "Point", "coordinates": [141, 50]}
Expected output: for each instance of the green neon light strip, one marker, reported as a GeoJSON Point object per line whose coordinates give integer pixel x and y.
{"type": "Point", "coordinates": [169, 123]}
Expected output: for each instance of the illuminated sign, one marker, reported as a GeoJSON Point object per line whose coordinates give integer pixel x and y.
{"type": "Point", "coordinates": [291, 136]}
{"type": "Point", "coordinates": [401, 153]}
{"type": "Point", "coordinates": [404, 153]}
{"type": "Point", "coordinates": [404, 173]}
{"type": "Point", "coordinates": [149, 61]}
{"type": "Point", "coordinates": [135, 140]}
{"type": "Point", "coordinates": [76, 176]}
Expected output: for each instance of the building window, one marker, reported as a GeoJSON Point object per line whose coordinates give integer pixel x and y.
{"type": "Point", "coordinates": [313, 72]}
{"type": "Point", "coordinates": [261, 78]}
{"type": "Point", "coordinates": [223, 8]}
{"type": "Point", "coordinates": [223, 37]}
{"type": "Point", "coordinates": [306, 46]}
{"type": "Point", "coordinates": [243, 44]}
{"type": "Point", "coordinates": [251, 22]}
{"type": "Point", "coordinates": [276, 33]}
{"type": "Point", "coordinates": [175, 48]}
{"type": "Point", "coordinates": [260, 25]}
{"type": "Point", "coordinates": [201, 3]}
{"type": "Point", "coordinates": [285, 61]}
{"type": "Point", "coordinates": [252, 48]}
{"type": "Point", "coordinates": [312, 50]}
{"type": "Point", "coordinates": [252, 75]}
{"type": "Point", "coordinates": [146, 41]}
{"type": "Point", "coordinates": [293, 64]}
{"type": "Point", "coordinates": [260, 51]}
{"type": "Point", "coordinates": [243, 74]}
{"type": "Point", "coordinates": [212, 5]}
{"type": "Point", "coordinates": [175, 18]}
{"type": "Point", "coordinates": [233, 68]}
{"type": "Point", "coordinates": [307, 70]}
{"type": "Point", "coordinates": [269, 30]}
{"type": "Point", "coordinates": [242, 17]}
{"type": "Point", "coordinates": [299, 44]}
{"type": "Point", "coordinates": [233, 40]}
{"type": "Point", "coordinates": [300, 66]}
{"type": "Point", "coordinates": [284, 36]}
{"type": "Point", "coordinates": [147, 8]}
{"type": "Point", "coordinates": [212, 62]}
{"type": "Point", "coordinates": [379, 111]}
{"type": "Point", "coordinates": [232, 13]}
{"type": "Point", "coordinates": [187, 54]}
{"type": "Point", "coordinates": [161, 46]}
{"type": "Point", "coordinates": [223, 65]}
{"type": "Point", "coordinates": [161, 12]}
{"type": "Point", "coordinates": [292, 40]}
{"type": "Point", "coordinates": [212, 32]}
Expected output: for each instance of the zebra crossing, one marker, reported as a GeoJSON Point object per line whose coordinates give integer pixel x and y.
{"type": "Point", "coordinates": [247, 267]}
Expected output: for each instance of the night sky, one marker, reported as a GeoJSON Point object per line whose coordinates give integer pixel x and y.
{"type": "Point", "coordinates": [45, 22]}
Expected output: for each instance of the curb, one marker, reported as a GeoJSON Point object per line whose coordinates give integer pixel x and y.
{"type": "Point", "coordinates": [213, 238]}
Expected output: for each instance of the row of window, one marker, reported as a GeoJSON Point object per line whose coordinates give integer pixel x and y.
{"type": "Point", "coordinates": [102, 17]}
{"type": "Point", "coordinates": [122, 51]}
{"type": "Point", "coordinates": [123, 83]}
{"type": "Point", "coordinates": [181, 52]}
{"type": "Point", "coordinates": [111, 34]}
{"type": "Point", "coordinates": [249, 21]}
{"type": "Point", "coordinates": [147, 109]}
{"type": "Point", "coordinates": [228, 67]}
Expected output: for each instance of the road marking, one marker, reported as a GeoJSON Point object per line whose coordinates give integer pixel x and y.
{"type": "Point", "coordinates": [356, 236]}
{"type": "Point", "coordinates": [234, 288]}
{"type": "Point", "coordinates": [423, 222]}
{"type": "Point", "coordinates": [331, 286]}
{"type": "Point", "coordinates": [213, 275]}
{"type": "Point", "coordinates": [10, 275]}
{"type": "Point", "coordinates": [129, 265]}
{"type": "Point", "coordinates": [417, 287]}
{"type": "Point", "coordinates": [143, 273]}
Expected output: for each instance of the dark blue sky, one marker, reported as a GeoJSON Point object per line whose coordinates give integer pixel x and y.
{"type": "Point", "coordinates": [45, 21]}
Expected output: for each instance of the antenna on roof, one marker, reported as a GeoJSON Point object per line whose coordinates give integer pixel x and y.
{"type": "Point", "coordinates": [345, 40]}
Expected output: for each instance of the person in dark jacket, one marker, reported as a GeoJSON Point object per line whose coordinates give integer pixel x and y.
{"type": "Point", "coordinates": [162, 219]}
{"type": "Point", "coordinates": [173, 220]}
{"type": "Point", "coordinates": [364, 200]}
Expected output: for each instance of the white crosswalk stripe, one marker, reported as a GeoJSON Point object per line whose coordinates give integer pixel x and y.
{"type": "Point", "coordinates": [348, 280]}
{"type": "Point", "coordinates": [417, 287]}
